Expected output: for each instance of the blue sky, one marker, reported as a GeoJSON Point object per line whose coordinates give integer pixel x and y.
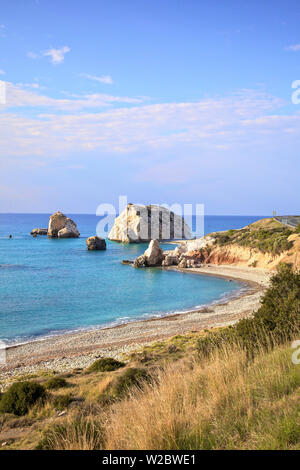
{"type": "Point", "coordinates": [164, 101]}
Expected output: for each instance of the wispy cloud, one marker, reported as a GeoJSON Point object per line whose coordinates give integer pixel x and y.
{"type": "Point", "coordinates": [2, 72]}
{"type": "Point", "coordinates": [32, 55]}
{"type": "Point", "coordinates": [103, 79]}
{"type": "Point", "coordinates": [239, 121]}
{"type": "Point", "coordinates": [293, 47]}
{"type": "Point", "coordinates": [20, 95]}
{"type": "Point", "coordinates": [57, 56]}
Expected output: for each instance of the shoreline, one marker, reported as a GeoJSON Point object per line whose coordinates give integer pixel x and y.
{"type": "Point", "coordinates": [72, 350]}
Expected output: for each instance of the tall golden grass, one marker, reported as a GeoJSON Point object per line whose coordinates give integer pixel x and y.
{"type": "Point", "coordinates": [222, 402]}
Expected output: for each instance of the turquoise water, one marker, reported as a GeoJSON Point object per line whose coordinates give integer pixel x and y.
{"type": "Point", "coordinates": [52, 286]}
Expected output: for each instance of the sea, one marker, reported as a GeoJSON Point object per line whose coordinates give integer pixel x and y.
{"type": "Point", "coordinates": [54, 286]}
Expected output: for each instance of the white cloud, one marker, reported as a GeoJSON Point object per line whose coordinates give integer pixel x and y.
{"type": "Point", "coordinates": [2, 72]}
{"type": "Point", "coordinates": [235, 122]}
{"type": "Point", "coordinates": [57, 55]}
{"type": "Point", "coordinates": [293, 47]}
{"type": "Point", "coordinates": [103, 79]}
{"type": "Point", "coordinates": [21, 96]}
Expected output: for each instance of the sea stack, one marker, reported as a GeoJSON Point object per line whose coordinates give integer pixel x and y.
{"type": "Point", "coordinates": [61, 226]}
{"type": "Point", "coordinates": [139, 223]}
{"type": "Point", "coordinates": [96, 243]}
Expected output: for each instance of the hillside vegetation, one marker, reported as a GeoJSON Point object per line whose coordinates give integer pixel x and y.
{"type": "Point", "coordinates": [227, 388]}
{"type": "Point", "coordinates": [264, 244]}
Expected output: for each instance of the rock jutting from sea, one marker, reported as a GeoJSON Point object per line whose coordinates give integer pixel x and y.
{"type": "Point", "coordinates": [139, 223]}
{"type": "Point", "coordinates": [61, 226]}
{"type": "Point", "coordinates": [39, 231]}
{"type": "Point", "coordinates": [96, 243]}
{"type": "Point", "coordinates": [182, 256]}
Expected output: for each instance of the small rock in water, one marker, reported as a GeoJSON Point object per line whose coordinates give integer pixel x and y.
{"type": "Point", "coordinates": [96, 243]}
{"type": "Point", "coordinates": [39, 231]}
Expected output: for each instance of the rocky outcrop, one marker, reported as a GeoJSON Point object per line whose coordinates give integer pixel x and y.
{"type": "Point", "coordinates": [61, 226]}
{"type": "Point", "coordinates": [153, 256]}
{"type": "Point", "coordinates": [39, 231]}
{"type": "Point", "coordinates": [144, 223]}
{"type": "Point", "coordinates": [96, 243]}
{"type": "Point", "coordinates": [170, 260]}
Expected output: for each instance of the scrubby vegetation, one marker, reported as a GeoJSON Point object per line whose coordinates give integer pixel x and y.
{"type": "Point", "coordinates": [277, 320]}
{"type": "Point", "coordinates": [227, 388]}
{"type": "Point", "coordinates": [267, 238]}
{"type": "Point", "coordinates": [55, 383]}
{"type": "Point", "coordinates": [20, 397]}
{"type": "Point", "coordinates": [132, 377]}
{"type": "Point", "coordinates": [106, 364]}
{"type": "Point", "coordinates": [61, 402]}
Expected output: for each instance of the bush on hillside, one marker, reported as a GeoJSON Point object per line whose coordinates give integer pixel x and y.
{"type": "Point", "coordinates": [61, 402]}
{"type": "Point", "coordinates": [106, 364]}
{"type": "Point", "coordinates": [130, 378]}
{"type": "Point", "coordinates": [20, 397]}
{"type": "Point", "coordinates": [276, 321]}
{"type": "Point", "coordinates": [55, 383]}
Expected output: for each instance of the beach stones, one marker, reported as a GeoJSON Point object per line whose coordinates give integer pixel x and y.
{"type": "Point", "coordinates": [96, 243]}
{"type": "Point", "coordinates": [138, 223]}
{"type": "Point", "coordinates": [61, 226]}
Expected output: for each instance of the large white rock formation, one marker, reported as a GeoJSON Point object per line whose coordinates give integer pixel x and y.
{"type": "Point", "coordinates": [144, 223]}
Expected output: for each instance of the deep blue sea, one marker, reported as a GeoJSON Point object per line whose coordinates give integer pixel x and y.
{"type": "Point", "coordinates": [52, 286]}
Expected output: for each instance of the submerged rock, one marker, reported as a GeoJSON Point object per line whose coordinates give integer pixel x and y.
{"type": "Point", "coordinates": [39, 231]}
{"type": "Point", "coordinates": [139, 223]}
{"type": "Point", "coordinates": [61, 226]}
{"type": "Point", "coordinates": [96, 243]}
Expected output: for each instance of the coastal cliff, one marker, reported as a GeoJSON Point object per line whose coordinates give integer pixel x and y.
{"type": "Point", "coordinates": [264, 244]}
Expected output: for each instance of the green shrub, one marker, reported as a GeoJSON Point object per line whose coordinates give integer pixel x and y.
{"type": "Point", "coordinates": [55, 383]}
{"type": "Point", "coordinates": [298, 228]}
{"type": "Point", "coordinates": [276, 321]}
{"type": "Point", "coordinates": [61, 402]}
{"type": "Point", "coordinates": [131, 377]}
{"type": "Point", "coordinates": [106, 364]}
{"type": "Point", "coordinates": [273, 240]}
{"type": "Point", "coordinates": [20, 397]}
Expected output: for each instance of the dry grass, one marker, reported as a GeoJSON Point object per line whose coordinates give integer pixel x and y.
{"type": "Point", "coordinates": [223, 403]}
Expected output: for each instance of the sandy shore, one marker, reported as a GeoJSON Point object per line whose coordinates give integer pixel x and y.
{"type": "Point", "coordinates": [78, 350]}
